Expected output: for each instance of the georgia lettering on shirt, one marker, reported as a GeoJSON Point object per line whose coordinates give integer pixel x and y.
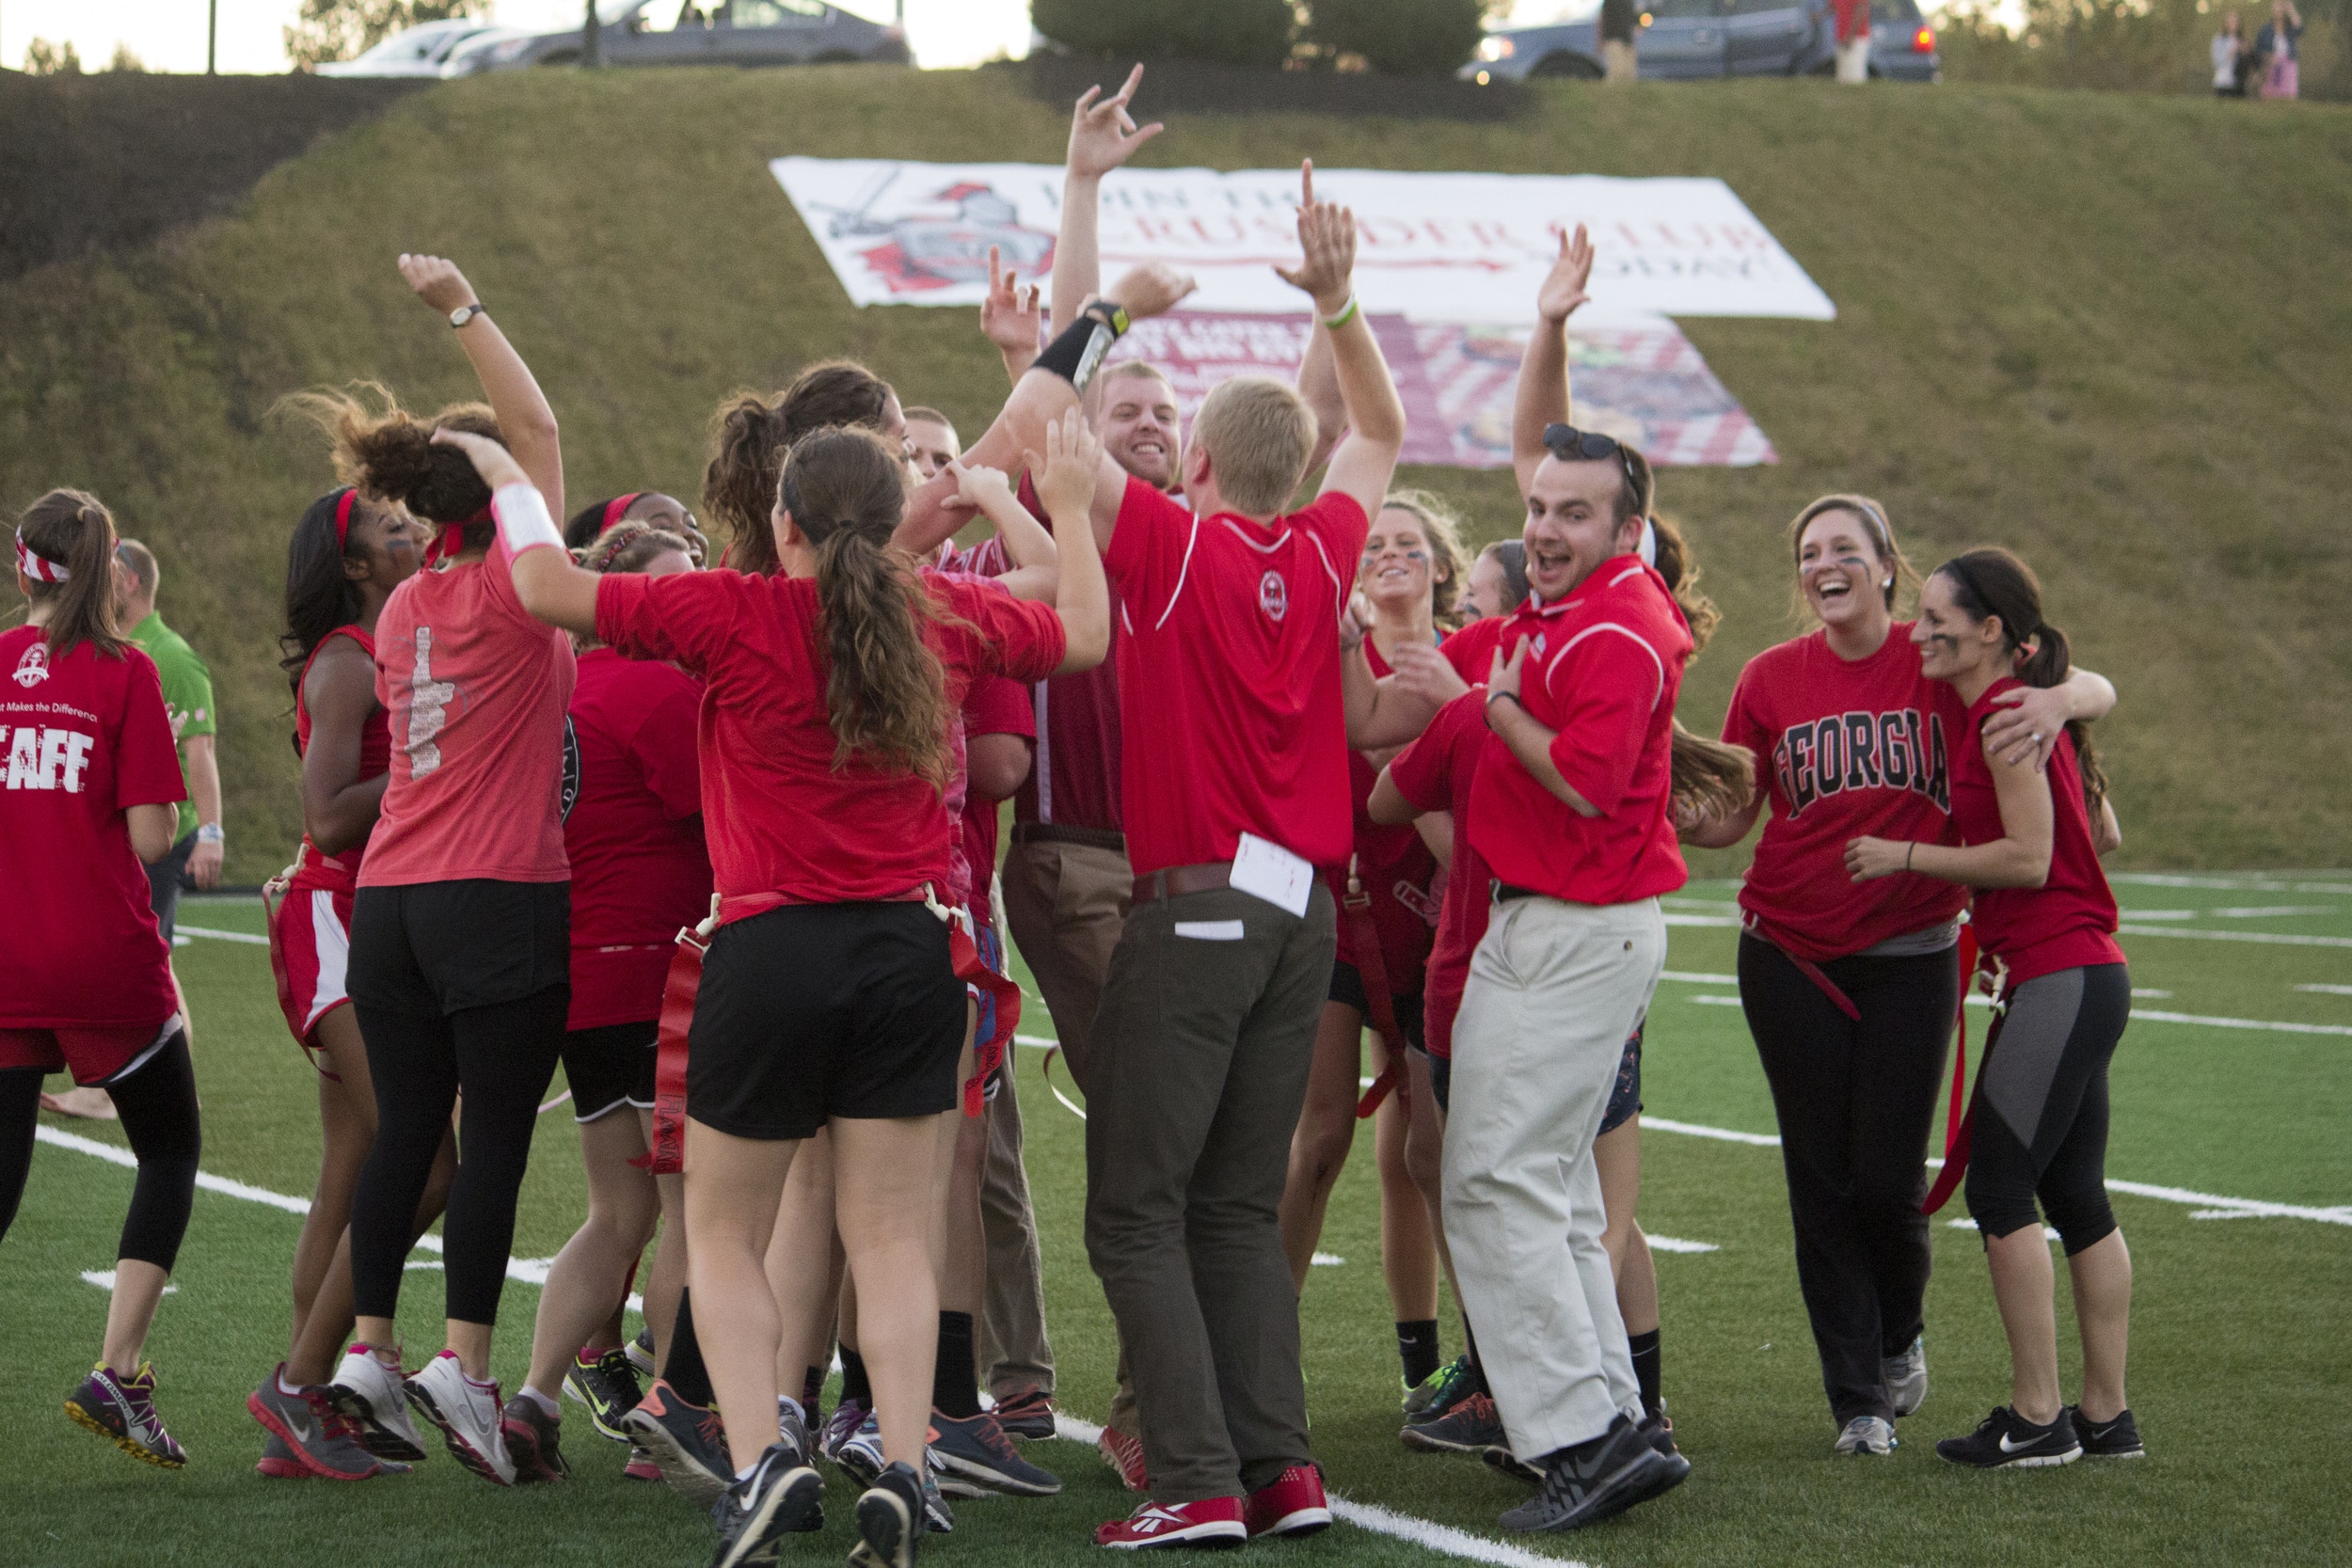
{"type": "Point", "coordinates": [1893, 750]}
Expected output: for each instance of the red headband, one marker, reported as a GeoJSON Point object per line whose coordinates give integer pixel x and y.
{"type": "Point", "coordinates": [452, 537]}
{"type": "Point", "coordinates": [39, 567]}
{"type": "Point", "coordinates": [342, 520]}
{"type": "Point", "coordinates": [615, 509]}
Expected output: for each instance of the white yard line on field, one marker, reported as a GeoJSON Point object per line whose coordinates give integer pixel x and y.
{"type": "Point", "coordinates": [222, 935]}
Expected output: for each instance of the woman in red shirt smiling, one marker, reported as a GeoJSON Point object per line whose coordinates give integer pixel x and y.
{"type": "Point", "coordinates": [828, 999]}
{"type": "Point", "coordinates": [2030, 844]}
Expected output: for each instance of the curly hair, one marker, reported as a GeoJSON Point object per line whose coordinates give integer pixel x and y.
{"type": "Point", "coordinates": [749, 435]}
{"type": "Point", "coordinates": [389, 454]}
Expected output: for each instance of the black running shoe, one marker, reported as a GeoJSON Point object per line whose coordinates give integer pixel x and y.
{"type": "Point", "coordinates": [773, 1502]}
{"type": "Point", "coordinates": [1470, 1427]}
{"type": "Point", "coordinates": [890, 1520]}
{"type": "Point", "coordinates": [2008, 1438]}
{"type": "Point", "coordinates": [2115, 1439]}
{"type": "Point", "coordinates": [1028, 1414]}
{"type": "Point", "coordinates": [1593, 1481]}
{"type": "Point", "coordinates": [1658, 1433]}
{"type": "Point", "coordinates": [685, 1440]}
{"type": "Point", "coordinates": [1500, 1457]}
{"type": "Point", "coordinates": [607, 1387]}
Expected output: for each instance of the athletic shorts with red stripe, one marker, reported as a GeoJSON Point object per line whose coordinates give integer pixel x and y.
{"type": "Point", "coordinates": [310, 949]}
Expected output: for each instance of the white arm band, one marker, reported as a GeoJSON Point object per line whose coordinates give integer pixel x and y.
{"type": "Point", "coordinates": [523, 520]}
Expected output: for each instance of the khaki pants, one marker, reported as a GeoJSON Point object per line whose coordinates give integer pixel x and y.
{"type": "Point", "coordinates": [1853, 59]}
{"type": "Point", "coordinates": [1554, 990]}
{"type": "Point", "coordinates": [1013, 1350]}
{"type": "Point", "coordinates": [1065, 905]}
{"type": "Point", "coordinates": [1617, 58]}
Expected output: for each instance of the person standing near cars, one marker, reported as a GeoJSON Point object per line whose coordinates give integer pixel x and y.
{"type": "Point", "coordinates": [1854, 39]}
{"type": "Point", "coordinates": [1618, 25]}
{"type": "Point", "coordinates": [2276, 46]}
{"type": "Point", "coordinates": [2228, 58]}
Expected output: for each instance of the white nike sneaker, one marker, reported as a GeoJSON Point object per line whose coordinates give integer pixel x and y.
{"type": "Point", "coordinates": [1868, 1434]}
{"type": "Point", "coordinates": [1907, 1377]}
{"type": "Point", "coordinates": [370, 1394]}
{"type": "Point", "coordinates": [468, 1413]}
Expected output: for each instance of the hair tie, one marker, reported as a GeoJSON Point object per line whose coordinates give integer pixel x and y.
{"type": "Point", "coordinates": [342, 519]}
{"type": "Point", "coordinates": [39, 567]}
{"type": "Point", "coordinates": [616, 508]}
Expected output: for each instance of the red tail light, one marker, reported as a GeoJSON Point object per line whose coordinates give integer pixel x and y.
{"type": "Point", "coordinates": [1923, 41]}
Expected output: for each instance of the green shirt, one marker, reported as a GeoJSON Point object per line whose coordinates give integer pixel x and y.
{"type": "Point", "coordinates": [187, 696]}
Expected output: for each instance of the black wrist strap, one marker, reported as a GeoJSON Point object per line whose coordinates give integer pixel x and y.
{"type": "Point", "coordinates": [1077, 352]}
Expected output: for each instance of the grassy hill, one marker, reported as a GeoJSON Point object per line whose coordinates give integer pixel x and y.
{"type": "Point", "coordinates": [2111, 332]}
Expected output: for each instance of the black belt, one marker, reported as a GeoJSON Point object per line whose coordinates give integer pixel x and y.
{"type": "Point", "coordinates": [1055, 833]}
{"type": "Point", "coordinates": [1505, 892]}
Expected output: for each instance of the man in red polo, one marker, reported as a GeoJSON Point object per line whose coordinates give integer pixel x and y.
{"type": "Point", "coordinates": [1571, 810]}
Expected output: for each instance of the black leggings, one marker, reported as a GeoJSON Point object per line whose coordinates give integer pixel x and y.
{"type": "Point", "coordinates": [502, 1055]}
{"type": "Point", "coordinates": [1856, 1101]}
{"type": "Point", "coordinates": [157, 1104]}
{"type": "Point", "coordinates": [2040, 1126]}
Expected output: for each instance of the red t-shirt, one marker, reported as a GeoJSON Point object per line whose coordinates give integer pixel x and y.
{"type": "Point", "coordinates": [2068, 921]}
{"type": "Point", "coordinates": [633, 830]}
{"type": "Point", "coordinates": [995, 706]}
{"type": "Point", "coordinates": [1229, 658]}
{"type": "Point", "coordinates": [1603, 674]}
{"type": "Point", "coordinates": [1844, 750]}
{"type": "Point", "coordinates": [1437, 773]}
{"type": "Point", "coordinates": [1396, 868]}
{"type": "Point", "coordinates": [784, 825]}
{"type": "Point", "coordinates": [315, 872]}
{"type": "Point", "coordinates": [86, 739]}
{"type": "Point", "coordinates": [1472, 650]}
{"type": "Point", "coordinates": [477, 688]}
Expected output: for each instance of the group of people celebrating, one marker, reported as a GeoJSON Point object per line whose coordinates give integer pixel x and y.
{"type": "Point", "coordinates": [717, 833]}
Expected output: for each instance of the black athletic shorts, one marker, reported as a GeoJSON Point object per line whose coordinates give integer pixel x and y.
{"type": "Point", "coordinates": [1625, 1100]}
{"type": "Point", "coordinates": [431, 949]}
{"type": "Point", "coordinates": [818, 1011]}
{"type": "Point", "coordinates": [609, 1067]}
{"type": "Point", "coordinates": [1347, 989]}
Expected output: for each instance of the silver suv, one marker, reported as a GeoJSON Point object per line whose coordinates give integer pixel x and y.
{"type": "Point", "coordinates": [693, 32]}
{"type": "Point", "coordinates": [1717, 37]}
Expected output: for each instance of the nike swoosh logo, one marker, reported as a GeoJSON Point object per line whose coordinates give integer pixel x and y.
{"type": "Point", "coordinates": [2008, 1447]}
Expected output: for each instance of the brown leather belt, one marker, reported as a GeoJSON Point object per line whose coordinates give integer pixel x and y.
{"type": "Point", "coordinates": [1056, 832]}
{"type": "Point", "coordinates": [1177, 881]}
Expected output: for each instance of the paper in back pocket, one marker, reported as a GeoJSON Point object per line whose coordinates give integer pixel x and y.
{"type": "Point", "coordinates": [1209, 930]}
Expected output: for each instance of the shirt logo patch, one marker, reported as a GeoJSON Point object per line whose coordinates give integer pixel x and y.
{"type": "Point", "coordinates": [1274, 596]}
{"type": "Point", "coordinates": [1539, 644]}
{"type": "Point", "coordinates": [33, 668]}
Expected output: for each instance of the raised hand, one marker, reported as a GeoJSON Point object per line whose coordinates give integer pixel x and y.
{"type": "Point", "coordinates": [437, 282]}
{"type": "Point", "coordinates": [1065, 476]}
{"type": "Point", "coordinates": [1426, 673]}
{"type": "Point", "coordinates": [494, 462]}
{"type": "Point", "coordinates": [1150, 290]}
{"type": "Point", "coordinates": [1011, 314]}
{"type": "Point", "coordinates": [978, 485]}
{"type": "Point", "coordinates": [1327, 236]}
{"type": "Point", "coordinates": [1562, 288]}
{"type": "Point", "coordinates": [1102, 134]}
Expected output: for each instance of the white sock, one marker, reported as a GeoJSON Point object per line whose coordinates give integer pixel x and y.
{"type": "Point", "coordinates": [745, 1473]}
{"type": "Point", "coordinates": [290, 1390]}
{"type": "Point", "coordinates": [547, 1406]}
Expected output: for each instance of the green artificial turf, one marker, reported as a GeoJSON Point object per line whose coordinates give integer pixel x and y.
{"type": "Point", "coordinates": [2239, 1372]}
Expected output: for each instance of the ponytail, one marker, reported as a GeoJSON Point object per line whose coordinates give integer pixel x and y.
{"type": "Point", "coordinates": [885, 690]}
{"type": "Point", "coordinates": [1711, 778]}
{"type": "Point", "coordinates": [1682, 573]}
{"type": "Point", "coordinates": [73, 529]}
{"type": "Point", "coordinates": [388, 453]}
{"type": "Point", "coordinates": [750, 434]}
{"type": "Point", "coordinates": [1988, 582]}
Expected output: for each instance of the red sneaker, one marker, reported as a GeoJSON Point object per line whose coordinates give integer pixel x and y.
{"type": "Point", "coordinates": [1125, 1455]}
{"type": "Point", "coordinates": [1292, 1504]}
{"type": "Point", "coordinates": [1210, 1522]}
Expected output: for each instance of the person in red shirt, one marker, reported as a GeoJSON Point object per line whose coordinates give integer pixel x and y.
{"type": "Point", "coordinates": [2031, 840]}
{"type": "Point", "coordinates": [1850, 989]}
{"type": "Point", "coordinates": [92, 789]}
{"type": "Point", "coordinates": [460, 944]}
{"type": "Point", "coordinates": [633, 833]}
{"type": "Point", "coordinates": [828, 999]}
{"type": "Point", "coordinates": [347, 556]}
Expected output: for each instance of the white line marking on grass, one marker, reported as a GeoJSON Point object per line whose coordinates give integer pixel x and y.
{"type": "Point", "coordinates": [2327, 991]}
{"type": "Point", "coordinates": [104, 1280]}
{"type": "Point", "coordinates": [2281, 938]}
{"type": "Point", "coordinates": [2264, 912]}
{"type": "Point", "coordinates": [1675, 1243]}
{"type": "Point", "coordinates": [2230, 884]}
{"type": "Point", "coordinates": [1729, 922]}
{"type": "Point", "coordinates": [2152, 993]}
{"type": "Point", "coordinates": [2157, 914]}
{"type": "Point", "coordinates": [1716, 1000]}
{"type": "Point", "coordinates": [1721, 1134]}
{"type": "Point", "coordinates": [1699, 978]}
{"type": "Point", "coordinates": [1328, 1260]}
{"type": "Point", "coordinates": [223, 936]}
{"type": "Point", "coordinates": [2154, 1015]}
{"type": "Point", "coordinates": [1442, 1538]}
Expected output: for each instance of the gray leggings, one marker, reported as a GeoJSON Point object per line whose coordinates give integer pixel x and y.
{"type": "Point", "coordinates": [2041, 1126]}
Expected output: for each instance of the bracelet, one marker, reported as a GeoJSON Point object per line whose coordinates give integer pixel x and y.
{"type": "Point", "coordinates": [1111, 315]}
{"type": "Point", "coordinates": [522, 519]}
{"type": "Point", "coordinates": [1492, 697]}
{"type": "Point", "coordinates": [1908, 850]}
{"type": "Point", "coordinates": [1348, 314]}
{"type": "Point", "coordinates": [209, 833]}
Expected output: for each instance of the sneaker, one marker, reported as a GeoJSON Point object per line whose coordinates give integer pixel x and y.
{"type": "Point", "coordinates": [123, 1410]}
{"type": "Point", "coordinates": [1470, 1427]}
{"type": "Point", "coordinates": [641, 1466]}
{"type": "Point", "coordinates": [2008, 1438]}
{"type": "Point", "coordinates": [277, 1462]}
{"type": "Point", "coordinates": [861, 1453]}
{"type": "Point", "coordinates": [974, 1450]}
{"type": "Point", "coordinates": [685, 1441]}
{"type": "Point", "coordinates": [1125, 1454]}
{"type": "Point", "coordinates": [1440, 1392]}
{"type": "Point", "coordinates": [1870, 1434]}
{"type": "Point", "coordinates": [1500, 1457]}
{"type": "Point", "coordinates": [1658, 1433]}
{"type": "Point", "coordinates": [1028, 1414]}
{"type": "Point", "coordinates": [2115, 1439]}
{"type": "Point", "coordinates": [639, 1353]}
{"type": "Point", "coordinates": [938, 1518]}
{"type": "Point", "coordinates": [371, 1396]}
{"type": "Point", "coordinates": [1292, 1504]}
{"type": "Point", "coordinates": [890, 1520]}
{"type": "Point", "coordinates": [1661, 1428]}
{"type": "Point", "coordinates": [840, 1427]}
{"type": "Point", "coordinates": [1210, 1522]}
{"type": "Point", "coordinates": [792, 1429]}
{"type": "Point", "coordinates": [775, 1500]}
{"type": "Point", "coordinates": [1907, 1377]}
{"type": "Point", "coordinates": [468, 1413]}
{"type": "Point", "coordinates": [532, 1440]}
{"type": "Point", "coordinates": [1593, 1481]}
{"type": "Point", "coordinates": [314, 1436]}
{"type": "Point", "coordinates": [607, 1387]}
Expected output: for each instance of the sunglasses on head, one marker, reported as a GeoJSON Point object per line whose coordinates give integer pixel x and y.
{"type": "Point", "coordinates": [1571, 445]}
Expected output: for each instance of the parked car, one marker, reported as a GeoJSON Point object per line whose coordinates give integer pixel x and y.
{"type": "Point", "coordinates": [419, 51]}
{"type": "Point", "coordinates": [1717, 37]}
{"type": "Point", "coordinates": [693, 32]}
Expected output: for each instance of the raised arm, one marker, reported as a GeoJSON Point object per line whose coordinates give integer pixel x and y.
{"type": "Point", "coordinates": [1542, 398]}
{"type": "Point", "coordinates": [1036, 563]}
{"type": "Point", "coordinates": [1102, 137]}
{"type": "Point", "coordinates": [2032, 717]}
{"type": "Point", "coordinates": [1065, 479]}
{"type": "Point", "coordinates": [1010, 317]}
{"type": "Point", "coordinates": [1319, 385]}
{"type": "Point", "coordinates": [547, 580]}
{"type": "Point", "coordinates": [1365, 459]}
{"type": "Point", "coordinates": [523, 415]}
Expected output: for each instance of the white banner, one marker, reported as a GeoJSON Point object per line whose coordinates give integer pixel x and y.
{"type": "Point", "coordinates": [1432, 248]}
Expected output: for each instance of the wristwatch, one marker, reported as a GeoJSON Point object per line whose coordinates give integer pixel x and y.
{"type": "Point", "coordinates": [464, 313]}
{"type": "Point", "coordinates": [210, 833]}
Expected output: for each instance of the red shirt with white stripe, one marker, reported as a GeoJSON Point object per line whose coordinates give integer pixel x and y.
{"type": "Point", "coordinates": [1602, 672]}
{"type": "Point", "coordinates": [1437, 772]}
{"type": "Point", "coordinates": [1229, 659]}
{"type": "Point", "coordinates": [86, 738]}
{"type": "Point", "coordinates": [784, 825]}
